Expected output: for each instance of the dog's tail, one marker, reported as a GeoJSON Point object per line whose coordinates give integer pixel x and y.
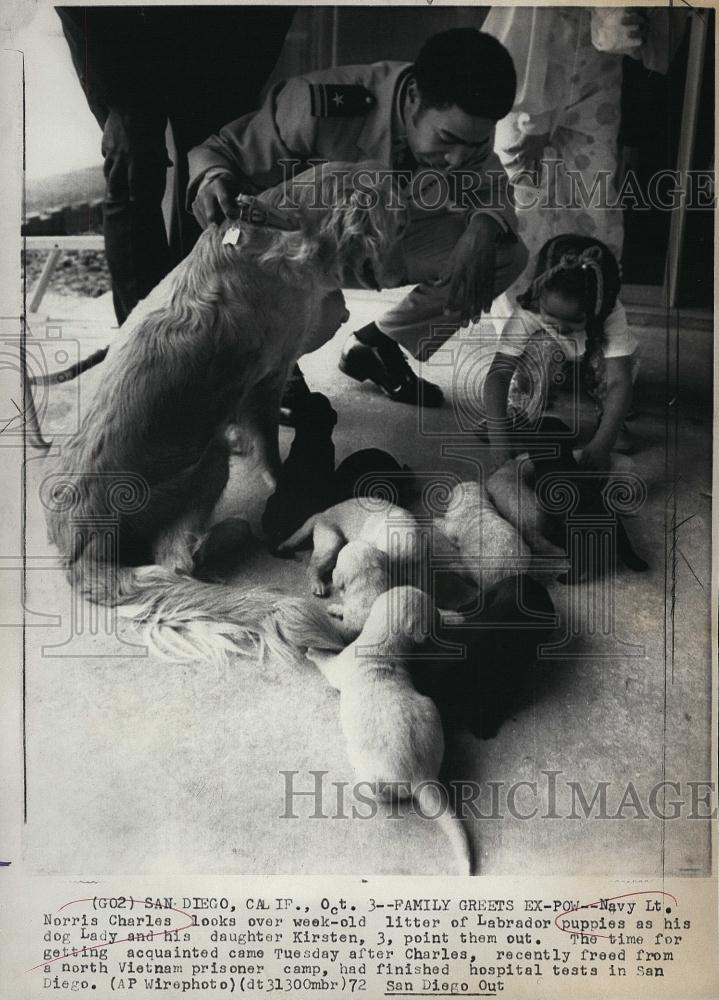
{"type": "Point", "coordinates": [431, 803]}
{"type": "Point", "coordinates": [188, 620]}
{"type": "Point", "coordinates": [301, 624]}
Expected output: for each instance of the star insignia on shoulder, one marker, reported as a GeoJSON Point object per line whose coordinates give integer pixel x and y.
{"type": "Point", "coordinates": [340, 100]}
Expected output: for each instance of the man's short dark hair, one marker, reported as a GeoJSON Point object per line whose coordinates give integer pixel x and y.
{"type": "Point", "coordinates": [469, 68]}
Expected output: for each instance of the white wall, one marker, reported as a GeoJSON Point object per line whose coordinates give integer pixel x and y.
{"type": "Point", "coordinates": [60, 131]}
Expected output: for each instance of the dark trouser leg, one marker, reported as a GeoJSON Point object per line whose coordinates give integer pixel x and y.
{"type": "Point", "coordinates": [418, 322]}
{"type": "Point", "coordinates": [203, 95]}
{"type": "Point", "coordinates": [118, 69]}
{"type": "Point", "coordinates": [133, 147]}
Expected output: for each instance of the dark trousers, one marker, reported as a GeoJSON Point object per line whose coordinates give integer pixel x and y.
{"type": "Point", "coordinates": [194, 67]}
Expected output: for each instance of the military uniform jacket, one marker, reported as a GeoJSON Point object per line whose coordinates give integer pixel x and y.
{"type": "Point", "coordinates": [348, 113]}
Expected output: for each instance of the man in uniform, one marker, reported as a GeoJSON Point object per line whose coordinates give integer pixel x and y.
{"type": "Point", "coordinates": [434, 119]}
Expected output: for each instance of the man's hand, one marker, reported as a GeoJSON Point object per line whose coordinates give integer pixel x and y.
{"type": "Point", "coordinates": [216, 202]}
{"type": "Point", "coordinates": [471, 269]}
{"type": "Point", "coordinates": [527, 154]}
{"type": "Point", "coordinates": [595, 456]}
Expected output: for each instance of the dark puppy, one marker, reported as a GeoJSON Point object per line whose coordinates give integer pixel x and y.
{"type": "Point", "coordinates": [555, 470]}
{"type": "Point", "coordinates": [494, 678]}
{"type": "Point", "coordinates": [371, 470]}
{"type": "Point", "coordinates": [306, 482]}
{"type": "Point", "coordinates": [591, 504]}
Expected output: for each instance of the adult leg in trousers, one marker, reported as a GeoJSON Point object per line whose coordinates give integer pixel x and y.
{"type": "Point", "coordinates": [418, 322]}
{"type": "Point", "coordinates": [205, 97]}
{"type": "Point", "coordinates": [135, 168]}
{"type": "Point", "coordinates": [116, 64]}
{"type": "Point", "coordinates": [205, 92]}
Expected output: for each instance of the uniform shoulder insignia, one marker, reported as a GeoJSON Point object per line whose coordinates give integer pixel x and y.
{"type": "Point", "coordinates": [340, 100]}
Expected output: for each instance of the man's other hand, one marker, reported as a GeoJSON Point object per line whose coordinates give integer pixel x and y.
{"type": "Point", "coordinates": [472, 269]}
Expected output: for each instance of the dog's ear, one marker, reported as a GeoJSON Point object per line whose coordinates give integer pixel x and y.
{"type": "Point", "coordinates": [378, 209]}
{"type": "Point", "coordinates": [366, 217]}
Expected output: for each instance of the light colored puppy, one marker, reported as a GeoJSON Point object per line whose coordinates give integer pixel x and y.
{"type": "Point", "coordinates": [515, 499]}
{"type": "Point", "coordinates": [490, 548]}
{"type": "Point", "coordinates": [360, 575]}
{"type": "Point", "coordinates": [394, 735]}
{"type": "Point", "coordinates": [389, 528]}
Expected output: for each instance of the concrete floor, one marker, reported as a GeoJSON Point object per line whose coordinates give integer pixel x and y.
{"type": "Point", "coordinates": [136, 764]}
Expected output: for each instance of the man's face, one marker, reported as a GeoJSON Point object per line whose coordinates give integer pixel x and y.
{"type": "Point", "coordinates": [444, 138]}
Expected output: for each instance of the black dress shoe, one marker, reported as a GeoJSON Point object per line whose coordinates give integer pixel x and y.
{"type": "Point", "coordinates": [387, 367]}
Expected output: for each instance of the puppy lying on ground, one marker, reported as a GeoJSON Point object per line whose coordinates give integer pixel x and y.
{"type": "Point", "coordinates": [360, 575]}
{"type": "Point", "coordinates": [489, 547]}
{"type": "Point", "coordinates": [371, 472]}
{"type": "Point", "coordinates": [394, 735]}
{"type": "Point", "coordinates": [391, 529]}
{"type": "Point", "coordinates": [555, 468]}
{"type": "Point", "coordinates": [496, 676]}
{"type": "Point", "coordinates": [199, 367]}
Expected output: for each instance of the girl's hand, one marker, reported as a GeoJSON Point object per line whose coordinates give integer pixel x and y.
{"type": "Point", "coordinates": [596, 457]}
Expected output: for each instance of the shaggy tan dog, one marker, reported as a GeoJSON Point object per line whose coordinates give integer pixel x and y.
{"type": "Point", "coordinates": [197, 369]}
{"type": "Point", "coordinates": [394, 735]}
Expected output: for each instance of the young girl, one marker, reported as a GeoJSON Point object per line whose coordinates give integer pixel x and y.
{"type": "Point", "coordinates": [570, 312]}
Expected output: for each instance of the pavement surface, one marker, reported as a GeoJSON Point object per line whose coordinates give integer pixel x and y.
{"type": "Point", "coordinates": [139, 764]}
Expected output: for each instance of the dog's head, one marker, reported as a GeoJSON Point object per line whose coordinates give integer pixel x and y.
{"type": "Point", "coordinates": [359, 577]}
{"type": "Point", "coordinates": [358, 561]}
{"type": "Point", "coordinates": [399, 619]}
{"type": "Point", "coordinates": [351, 217]}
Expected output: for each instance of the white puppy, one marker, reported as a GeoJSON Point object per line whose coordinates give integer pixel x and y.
{"type": "Point", "coordinates": [360, 575]}
{"type": "Point", "coordinates": [394, 734]}
{"type": "Point", "coordinates": [490, 548]}
{"type": "Point", "coordinates": [389, 528]}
